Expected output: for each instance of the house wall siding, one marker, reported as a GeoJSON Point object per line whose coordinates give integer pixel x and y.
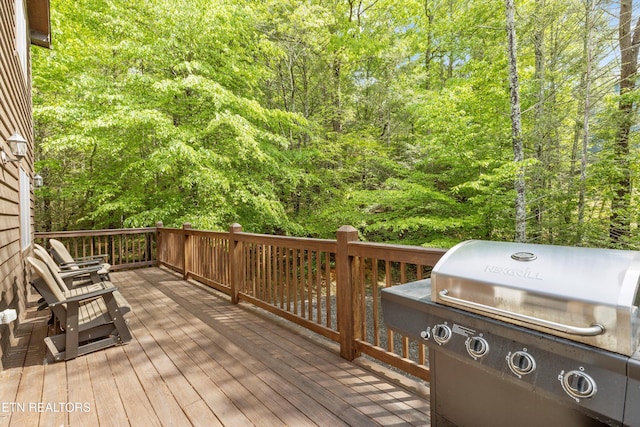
{"type": "Point", "coordinates": [15, 115]}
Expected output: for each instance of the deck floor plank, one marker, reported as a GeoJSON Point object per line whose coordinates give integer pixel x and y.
{"type": "Point", "coordinates": [299, 393]}
{"type": "Point", "coordinates": [80, 390]}
{"type": "Point", "coordinates": [54, 385]}
{"type": "Point", "coordinates": [162, 400]}
{"type": "Point", "coordinates": [136, 403]}
{"type": "Point", "coordinates": [196, 359]}
{"type": "Point", "coordinates": [29, 393]}
{"type": "Point", "coordinates": [13, 362]}
{"type": "Point", "coordinates": [110, 409]}
{"type": "Point", "coordinates": [192, 373]}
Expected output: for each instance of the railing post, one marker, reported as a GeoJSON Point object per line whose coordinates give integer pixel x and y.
{"type": "Point", "coordinates": [186, 252]}
{"type": "Point", "coordinates": [236, 254]}
{"type": "Point", "coordinates": [159, 248]}
{"type": "Point", "coordinates": [348, 310]}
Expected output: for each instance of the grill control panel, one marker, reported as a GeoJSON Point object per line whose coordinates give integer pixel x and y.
{"type": "Point", "coordinates": [523, 358]}
{"type": "Point", "coordinates": [567, 372]}
{"type": "Point", "coordinates": [454, 337]}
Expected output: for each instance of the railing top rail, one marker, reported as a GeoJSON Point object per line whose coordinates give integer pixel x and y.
{"type": "Point", "coordinates": [202, 233]}
{"type": "Point", "coordinates": [88, 233]}
{"type": "Point", "coordinates": [396, 253]}
{"type": "Point", "coordinates": [325, 245]}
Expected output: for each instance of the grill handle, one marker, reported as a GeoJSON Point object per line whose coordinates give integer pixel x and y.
{"type": "Point", "coordinates": [595, 329]}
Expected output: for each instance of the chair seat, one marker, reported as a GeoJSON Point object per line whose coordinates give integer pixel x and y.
{"type": "Point", "coordinates": [122, 302]}
{"type": "Point", "coordinates": [94, 313]}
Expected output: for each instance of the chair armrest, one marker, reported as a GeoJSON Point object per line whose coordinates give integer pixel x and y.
{"type": "Point", "coordinates": [85, 296]}
{"type": "Point", "coordinates": [80, 271]}
{"type": "Point", "coordinates": [68, 265]}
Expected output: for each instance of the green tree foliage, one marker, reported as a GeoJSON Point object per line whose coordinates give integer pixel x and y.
{"type": "Point", "coordinates": [297, 117]}
{"type": "Point", "coordinates": [156, 119]}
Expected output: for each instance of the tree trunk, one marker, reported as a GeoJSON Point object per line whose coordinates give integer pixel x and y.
{"type": "Point", "coordinates": [588, 58]}
{"type": "Point", "coordinates": [337, 96]}
{"type": "Point", "coordinates": [429, 49]}
{"type": "Point", "coordinates": [620, 224]}
{"type": "Point", "coordinates": [540, 126]}
{"type": "Point", "coordinates": [516, 125]}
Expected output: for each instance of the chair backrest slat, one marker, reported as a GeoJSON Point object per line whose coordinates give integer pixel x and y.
{"type": "Point", "coordinates": [43, 271]}
{"type": "Point", "coordinates": [53, 267]}
{"type": "Point", "coordinates": [60, 252]}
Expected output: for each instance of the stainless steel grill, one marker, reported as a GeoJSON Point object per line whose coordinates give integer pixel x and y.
{"type": "Point", "coordinates": [528, 333]}
{"type": "Point", "coordinates": [584, 294]}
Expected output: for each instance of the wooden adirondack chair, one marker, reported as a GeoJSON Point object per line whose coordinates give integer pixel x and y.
{"type": "Point", "coordinates": [64, 259]}
{"type": "Point", "coordinates": [91, 319]}
{"type": "Point", "coordinates": [66, 280]}
{"type": "Point", "coordinates": [72, 277]}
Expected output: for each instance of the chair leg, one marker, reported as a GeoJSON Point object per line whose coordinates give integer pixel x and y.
{"type": "Point", "coordinates": [118, 318]}
{"type": "Point", "coordinates": [53, 344]}
{"type": "Point", "coordinates": [71, 331]}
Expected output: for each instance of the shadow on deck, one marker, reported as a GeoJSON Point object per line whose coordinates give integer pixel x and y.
{"type": "Point", "coordinates": [197, 359]}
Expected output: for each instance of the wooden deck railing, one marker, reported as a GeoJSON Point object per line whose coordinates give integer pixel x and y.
{"type": "Point", "coordinates": [331, 287]}
{"type": "Point", "coordinates": [122, 248]}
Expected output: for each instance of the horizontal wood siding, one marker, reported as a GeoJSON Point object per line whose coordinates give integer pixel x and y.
{"type": "Point", "coordinates": [15, 115]}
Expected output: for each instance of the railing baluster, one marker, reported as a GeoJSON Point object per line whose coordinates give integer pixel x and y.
{"type": "Point", "coordinates": [374, 294]}
{"type": "Point", "coordinates": [309, 285]}
{"type": "Point", "coordinates": [295, 263]}
{"type": "Point", "coordinates": [361, 285]}
{"type": "Point", "coordinates": [318, 264]}
{"type": "Point", "coordinates": [329, 287]}
{"type": "Point", "coordinates": [281, 277]}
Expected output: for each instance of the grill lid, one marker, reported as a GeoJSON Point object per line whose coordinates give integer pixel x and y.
{"type": "Point", "coordinates": [584, 294]}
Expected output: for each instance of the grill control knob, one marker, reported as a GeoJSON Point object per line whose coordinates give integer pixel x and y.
{"type": "Point", "coordinates": [441, 334]}
{"type": "Point", "coordinates": [521, 363]}
{"type": "Point", "coordinates": [578, 385]}
{"type": "Point", "coordinates": [477, 347]}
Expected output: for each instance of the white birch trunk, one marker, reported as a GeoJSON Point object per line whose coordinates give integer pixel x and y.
{"type": "Point", "coordinates": [588, 55]}
{"type": "Point", "coordinates": [516, 125]}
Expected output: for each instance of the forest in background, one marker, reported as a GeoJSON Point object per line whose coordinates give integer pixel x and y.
{"type": "Point", "coordinates": [299, 116]}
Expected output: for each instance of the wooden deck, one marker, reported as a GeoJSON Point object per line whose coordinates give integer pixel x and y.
{"type": "Point", "coordinates": [196, 359]}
